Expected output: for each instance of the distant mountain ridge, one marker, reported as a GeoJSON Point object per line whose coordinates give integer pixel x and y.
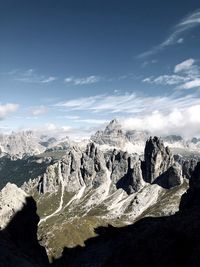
{"type": "Point", "coordinates": [22, 143]}
{"type": "Point", "coordinates": [134, 141]}
{"type": "Point", "coordinates": [28, 143]}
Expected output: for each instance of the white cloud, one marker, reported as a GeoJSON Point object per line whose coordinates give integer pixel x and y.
{"type": "Point", "coordinates": [185, 122]}
{"type": "Point", "coordinates": [6, 109]}
{"type": "Point", "coordinates": [71, 117]}
{"type": "Point", "coordinates": [160, 115]}
{"type": "Point", "coordinates": [185, 65]}
{"type": "Point", "coordinates": [69, 79]}
{"type": "Point", "coordinates": [53, 128]}
{"type": "Point", "coordinates": [186, 76]}
{"type": "Point", "coordinates": [66, 128]}
{"type": "Point", "coordinates": [50, 129]}
{"type": "Point", "coordinates": [84, 80]}
{"type": "Point", "coordinates": [35, 111]}
{"type": "Point", "coordinates": [191, 84]}
{"type": "Point", "coordinates": [180, 41]}
{"type": "Point", "coordinates": [176, 37]}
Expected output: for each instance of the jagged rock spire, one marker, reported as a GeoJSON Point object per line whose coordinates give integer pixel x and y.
{"type": "Point", "coordinates": [157, 159]}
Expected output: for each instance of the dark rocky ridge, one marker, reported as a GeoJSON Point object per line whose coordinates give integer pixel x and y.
{"type": "Point", "coordinates": [18, 241]}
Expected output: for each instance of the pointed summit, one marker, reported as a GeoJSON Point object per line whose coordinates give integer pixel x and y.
{"type": "Point", "coordinates": [112, 135]}
{"type": "Point", "coordinates": [114, 125]}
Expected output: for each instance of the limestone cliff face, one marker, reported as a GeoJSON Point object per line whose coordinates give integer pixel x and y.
{"type": "Point", "coordinates": [157, 159]}
{"type": "Point", "coordinates": [70, 170]}
{"type": "Point", "coordinates": [172, 177]}
{"type": "Point", "coordinates": [125, 171]}
{"type": "Point", "coordinates": [92, 168]}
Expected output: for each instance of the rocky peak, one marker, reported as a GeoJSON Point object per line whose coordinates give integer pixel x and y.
{"type": "Point", "coordinates": [112, 135]}
{"type": "Point", "coordinates": [114, 125]}
{"type": "Point", "coordinates": [93, 166]}
{"type": "Point", "coordinates": [125, 171]}
{"type": "Point", "coordinates": [157, 159]}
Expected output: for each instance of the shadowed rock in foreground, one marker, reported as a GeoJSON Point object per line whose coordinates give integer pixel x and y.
{"type": "Point", "coordinates": [18, 238]}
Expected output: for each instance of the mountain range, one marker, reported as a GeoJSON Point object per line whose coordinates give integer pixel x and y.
{"type": "Point", "coordinates": [28, 143]}
{"type": "Point", "coordinates": [80, 186]}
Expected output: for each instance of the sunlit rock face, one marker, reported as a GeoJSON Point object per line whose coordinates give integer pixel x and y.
{"type": "Point", "coordinates": [12, 200]}
{"type": "Point", "coordinates": [113, 135]}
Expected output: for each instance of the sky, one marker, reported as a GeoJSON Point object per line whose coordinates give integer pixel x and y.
{"type": "Point", "coordinates": [72, 66]}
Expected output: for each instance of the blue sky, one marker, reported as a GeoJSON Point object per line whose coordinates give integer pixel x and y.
{"type": "Point", "coordinates": [71, 66]}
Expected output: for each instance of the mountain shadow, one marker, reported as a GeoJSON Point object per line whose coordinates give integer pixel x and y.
{"type": "Point", "coordinates": [171, 241]}
{"type": "Point", "coordinates": [18, 241]}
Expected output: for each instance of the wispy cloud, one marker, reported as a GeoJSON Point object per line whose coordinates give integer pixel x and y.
{"type": "Point", "coordinates": [83, 80]}
{"type": "Point", "coordinates": [92, 121]}
{"type": "Point", "coordinates": [39, 110]}
{"type": "Point", "coordinates": [129, 103]}
{"type": "Point", "coordinates": [166, 79]}
{"type": "Point", "coordinates": [30, 76]}
{"type": "Point", "coordinates": [79, 103]}
{"type": "Point", "coordinates": [71, 117]}
{"type": "Point", "coordinates": [177, 33]}
{"type": "Point", "coordinates": [186, 76]}
{"type": "Point", "coordinates": [191, 84]}
{"type": "Point", "coordinates": [78, 119]}
{"type": "Point", "coordinates": [7, 109]}
{"type": "Point", "coordinates": [148, 62]}
{"type": "Point", "coordinates": [48, 79]}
